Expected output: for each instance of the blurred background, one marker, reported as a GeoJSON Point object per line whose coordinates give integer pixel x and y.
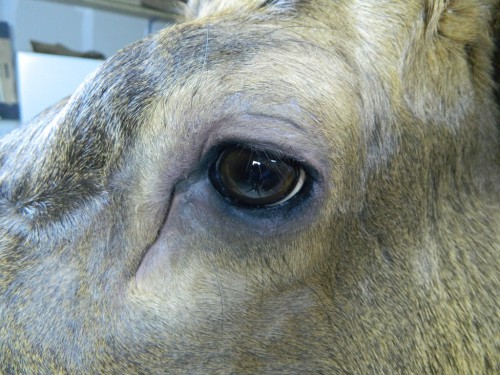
{"type": "Point", "coordinates": [47, 47]}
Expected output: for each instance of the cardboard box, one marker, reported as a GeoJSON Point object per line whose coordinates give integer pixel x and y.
{"type": "Point", "coordinates": [163, 5]}
{"type": "Point", "coordinates": [128, 2]}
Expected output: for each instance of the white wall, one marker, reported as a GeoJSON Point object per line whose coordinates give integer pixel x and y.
{"type": "Point", "coordinates": [76, 27]}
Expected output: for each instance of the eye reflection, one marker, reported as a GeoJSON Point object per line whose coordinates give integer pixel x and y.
{"type": "Point", "coordinates": [256, 178]}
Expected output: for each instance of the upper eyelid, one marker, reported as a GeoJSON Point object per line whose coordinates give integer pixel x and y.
{"type": "Point", "coordinates": [271, 134]}
{"type": "Point", "coordinates": [277, 134]}
{"type": "Point", "coordinates": [270, 150]}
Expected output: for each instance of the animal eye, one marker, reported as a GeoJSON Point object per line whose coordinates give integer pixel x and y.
{"type": "Point", "coordinates": [256, 178]}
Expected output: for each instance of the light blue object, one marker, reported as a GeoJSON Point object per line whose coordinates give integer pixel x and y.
{"type": "Point", "coordinates": [43, 80]}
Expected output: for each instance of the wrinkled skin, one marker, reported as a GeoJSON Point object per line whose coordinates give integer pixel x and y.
{"type": "Point", "coordinates": [118, 255]}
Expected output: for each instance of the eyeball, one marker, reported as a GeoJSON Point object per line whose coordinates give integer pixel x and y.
{"type": "Point", "coordinates": [256, 178]}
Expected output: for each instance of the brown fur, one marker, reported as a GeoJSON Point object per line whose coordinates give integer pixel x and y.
{"type": "Point", "coordinates": [117, 256]}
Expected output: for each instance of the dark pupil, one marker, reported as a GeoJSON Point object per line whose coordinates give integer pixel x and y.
{"type": "Point", "coordinates": [254, 177]}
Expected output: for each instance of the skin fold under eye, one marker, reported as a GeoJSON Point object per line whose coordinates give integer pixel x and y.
{"type": "Point", "coordinates": [256, 178]}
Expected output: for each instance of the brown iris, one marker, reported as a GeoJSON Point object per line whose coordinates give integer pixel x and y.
{"type": "Point", "coordinates": [256, 178]}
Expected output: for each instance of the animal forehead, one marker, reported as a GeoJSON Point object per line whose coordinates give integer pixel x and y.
{"type": "Point", "coordinates": [225, 45]}
{"type": "Point", "coordinates": [263, 63]}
